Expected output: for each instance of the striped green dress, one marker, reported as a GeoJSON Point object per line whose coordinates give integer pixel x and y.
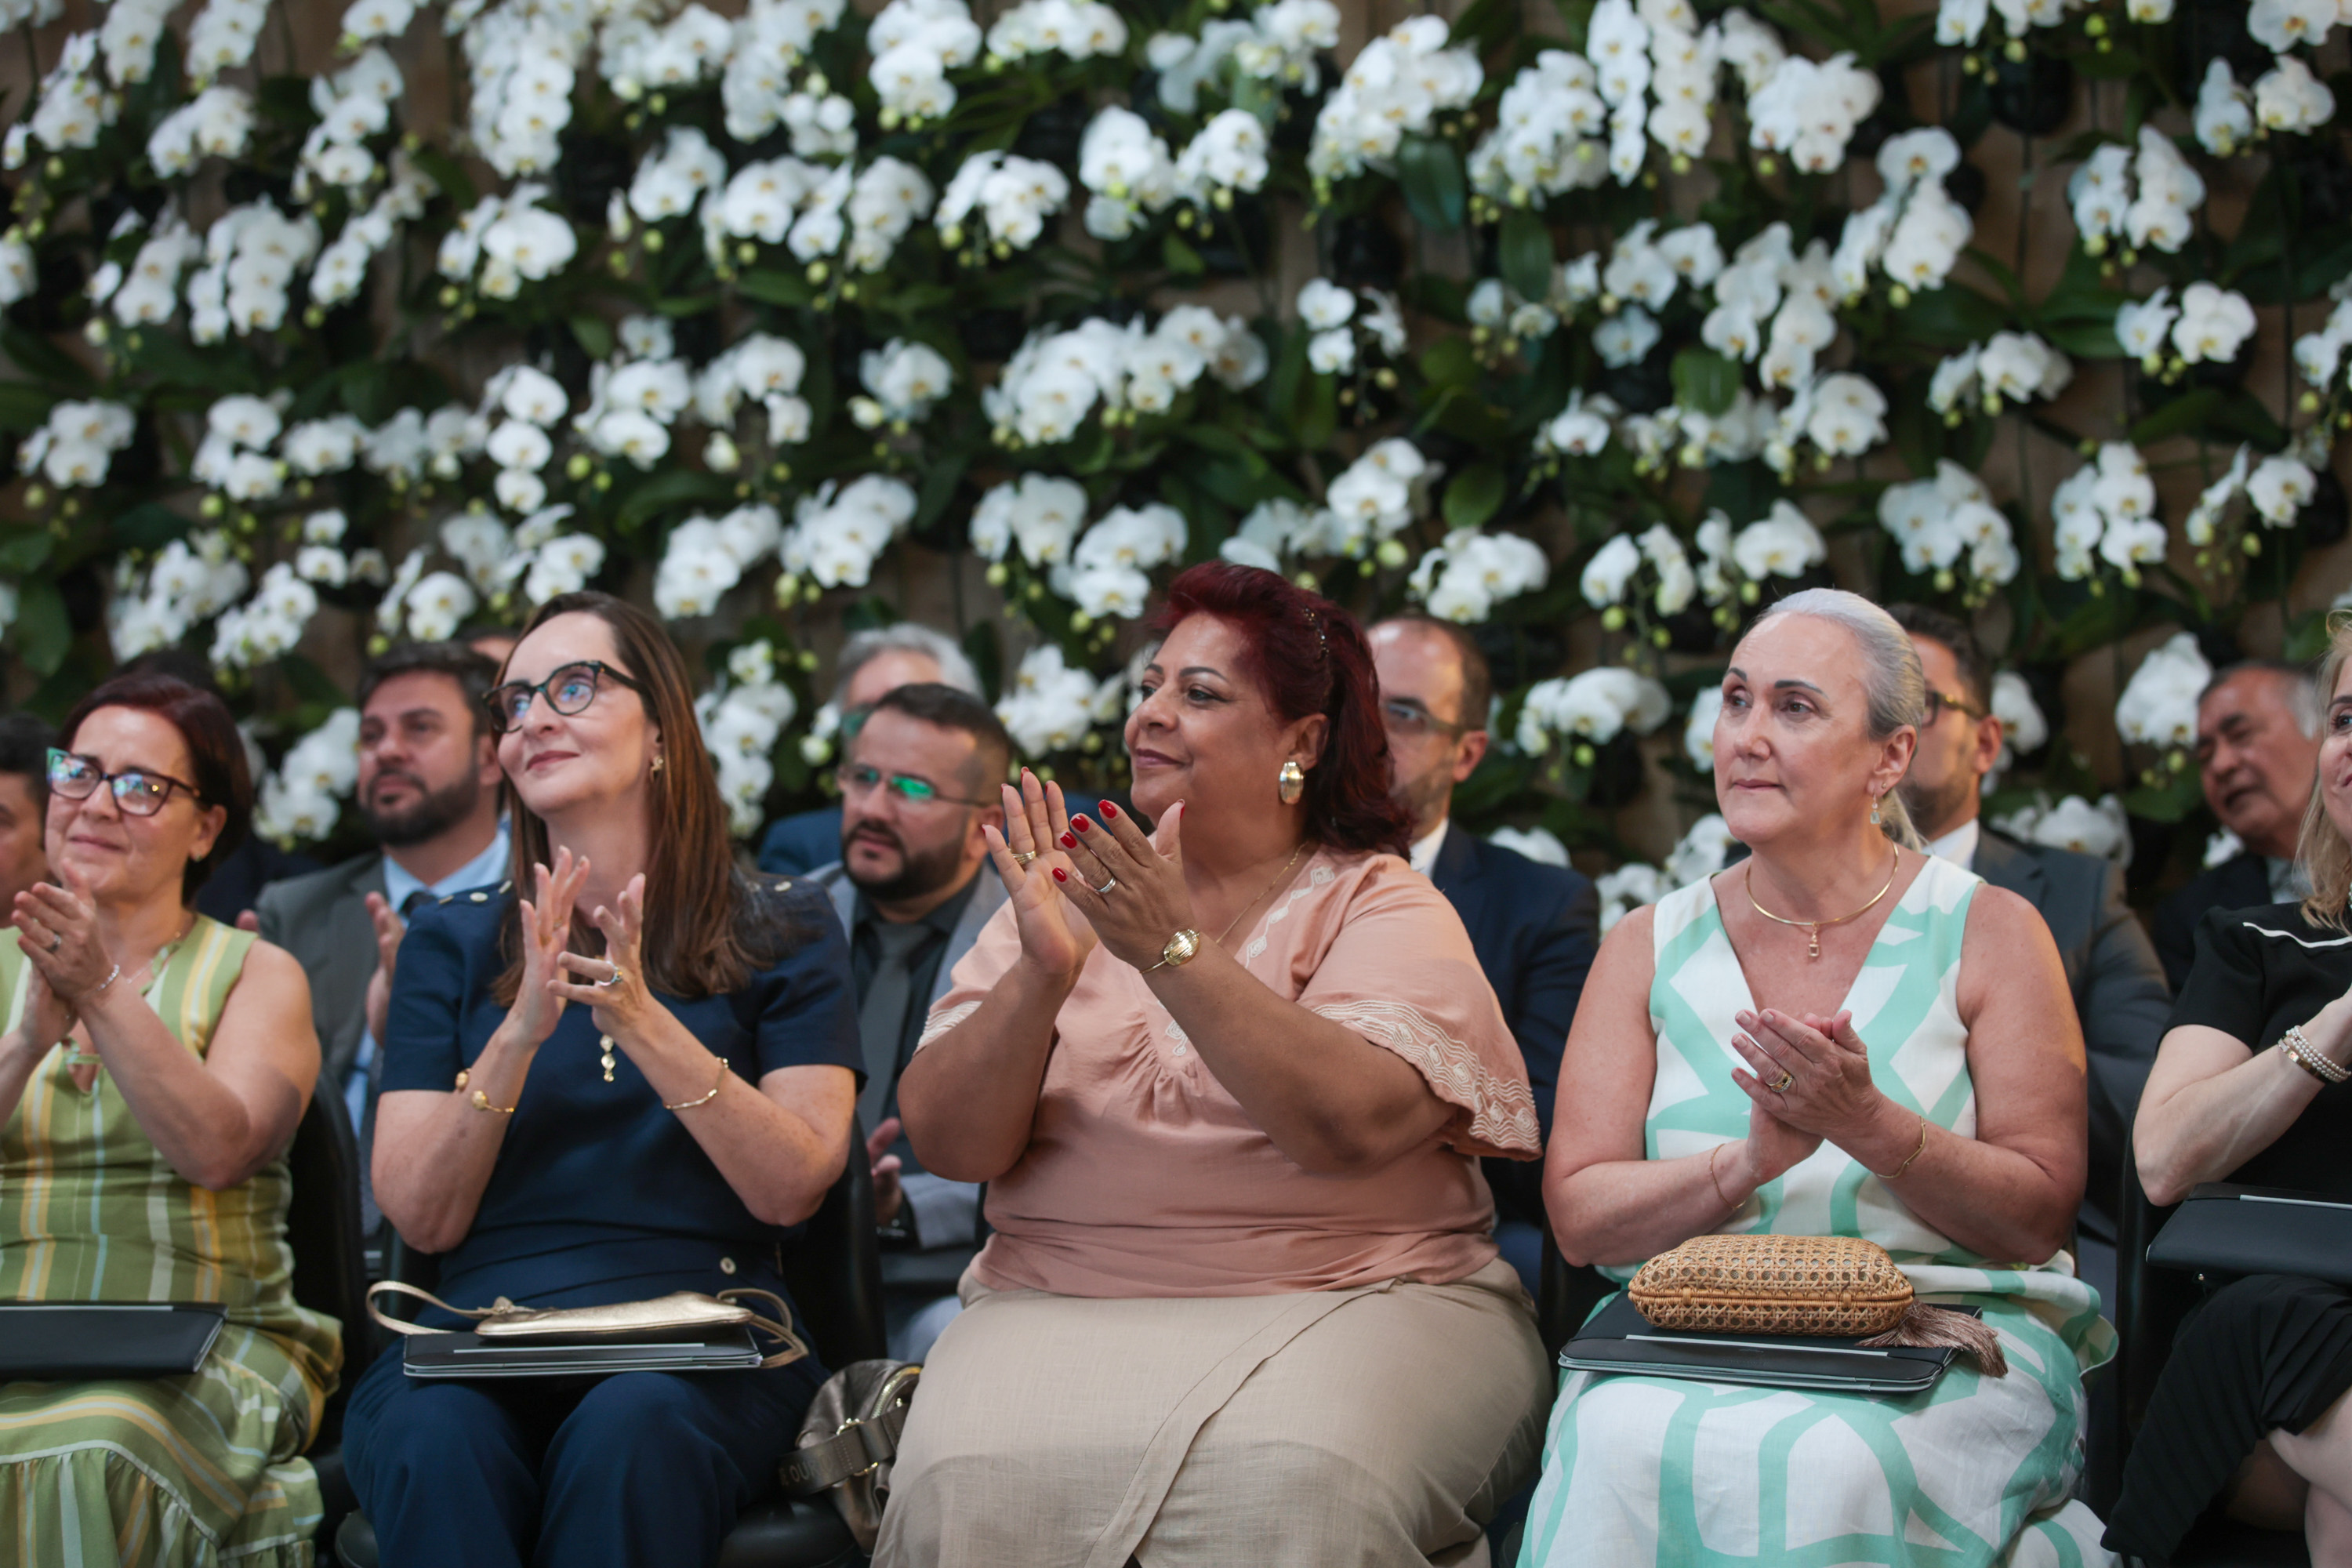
{"type": "Point", "coordinates": [1640, 1470]}
{"type": "Point", "coordinates": [203, 1469]}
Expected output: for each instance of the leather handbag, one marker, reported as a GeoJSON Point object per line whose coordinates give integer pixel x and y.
{"type": "Point", "coordinates": [680, 1315]}
{"type": "Point", "coordinates": [1807, 1285]}
{"type": "Point", "coordinates": [848, 1440]}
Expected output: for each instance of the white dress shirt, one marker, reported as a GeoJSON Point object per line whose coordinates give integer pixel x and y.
{"type": "Point", "coordinates": [1958, 846]}
{"type": "Point", "coordinates": [1423, 855]}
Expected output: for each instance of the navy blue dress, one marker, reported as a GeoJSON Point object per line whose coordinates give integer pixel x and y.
{"type": "Point", "coordinates": [598, 1196]}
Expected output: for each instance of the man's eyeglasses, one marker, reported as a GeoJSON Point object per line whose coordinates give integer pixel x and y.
{"type": "Point", "coordinates": [1940, 700]}
{"type": "Point", "coordinates": [569, 691]}
{"type": "Point", "coordinates": [860, 781]}
{"type": "Point", "coordinates": [137, 791]}
{"type": "Point", "coordinates": [1410, 718]}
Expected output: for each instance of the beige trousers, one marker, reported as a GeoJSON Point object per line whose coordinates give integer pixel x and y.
{"type": "Point", "coordinates": [1381, 1425]}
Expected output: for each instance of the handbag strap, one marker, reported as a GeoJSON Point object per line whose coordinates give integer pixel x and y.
{"type": "Point", "coordinates": [779, 1327]}
{"type": "Point", "coordinates": [862, 1444]}
{"type": "Point", "coordinates": [399, 1326]}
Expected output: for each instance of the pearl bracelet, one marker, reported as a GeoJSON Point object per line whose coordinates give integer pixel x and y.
{"type": "Point", "coordinates": [2310, 1058]}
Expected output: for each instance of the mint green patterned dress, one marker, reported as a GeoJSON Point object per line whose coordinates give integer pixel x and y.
{"type": "Point", "coordinates": [1975, 1471]}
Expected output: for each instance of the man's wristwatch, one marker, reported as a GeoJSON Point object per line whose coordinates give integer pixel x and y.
{"type": "Point", "coordinates": [1179, 951]}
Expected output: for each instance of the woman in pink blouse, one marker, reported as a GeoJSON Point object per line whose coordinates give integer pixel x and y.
{"type": "Point", "coordinates": [1228, 1085]}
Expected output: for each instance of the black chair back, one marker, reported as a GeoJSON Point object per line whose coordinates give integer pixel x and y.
{"type": "Point", "coordinates": [2150, 1302]}
{"type": "Point", "coordinates": [1568, 1296]}
{"type": "Point", "coordinates": [322, 1228]}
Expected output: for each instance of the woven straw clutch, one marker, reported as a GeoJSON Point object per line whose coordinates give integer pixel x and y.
{"type": "Point", "coordinates": [1811, 1284]}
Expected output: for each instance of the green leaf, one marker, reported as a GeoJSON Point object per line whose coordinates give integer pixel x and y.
{"type": "Point", "coordinates": [1705, 380]}
{"type": "Point", "coordinates": [43, 633]}
{"type": "Point", "coordinates": [25, 551]}
{"type": "Point", "coordinates": [1434, 188]}
{"type": "Point", "coordinates": [680, 487]}
{"type": "Point", "coordinates": [24, 407]}
{"type": "Point", "coordinates": [36, 355]}
{"type": "Point", "coordinates": [593, 334]}
{"type": "Point", "coordinates": [312, 685]}
{"type": "Point", "coordinates": [2178, 417]}
{"type": "Point", "coordinates": [1475, 495]}
{"type": "Point", "coordinates": [938, 489]}
{"type": "Point", "coordinates": [150, 526]}
{"type": "Point", "coordinates": [1450, 362]}
{"type": "Point", "coordinates": [1180, 257]}
{"type": "Point", "coordinates": [775, 288]}
{"type": "Point", "coordinates": [1524, 247]}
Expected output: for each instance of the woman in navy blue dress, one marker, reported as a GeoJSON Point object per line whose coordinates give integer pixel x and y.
{"type": "Point", "coordinates": [634, 1076]}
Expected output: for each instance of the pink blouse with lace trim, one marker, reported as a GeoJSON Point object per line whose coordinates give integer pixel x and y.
{"type": "Point", "coordinates": [1143, 1177]}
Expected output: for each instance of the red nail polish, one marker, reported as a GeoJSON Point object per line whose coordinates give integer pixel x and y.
{"type": "Point", "coordinates": [1060, 875]}
{"type": "Point", "coordinates": [1079, 823]}
{"type": "Point", "coordinates": [1110, 811]}
{"type": "Point", "coordinates": [1069, 841]}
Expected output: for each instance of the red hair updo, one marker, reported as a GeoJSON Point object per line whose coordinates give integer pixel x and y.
{"type": "Point", "coordinates": [1307, 655]}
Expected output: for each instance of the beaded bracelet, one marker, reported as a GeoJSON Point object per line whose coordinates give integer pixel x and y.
{"type": "Point", "coordinates": [2310, 1058]}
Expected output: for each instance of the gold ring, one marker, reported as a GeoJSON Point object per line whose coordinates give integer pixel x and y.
{"type": "Point", "coordinates": [1022, 857]}
{"type": "Point", "coordinates": [1786, 1078]}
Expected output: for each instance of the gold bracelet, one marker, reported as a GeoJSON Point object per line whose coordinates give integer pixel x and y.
{"type": "Point", "coordinates": [482, 1102]}
{"type": "Point", "coordinates": [2309, 1057]}
{"type": "Point", "coordinates": [717, 1084]}
{"type": "Point", "coordinates": [1921, 1149]}
{"type": "Point", "coordinates": [1715, 1180]}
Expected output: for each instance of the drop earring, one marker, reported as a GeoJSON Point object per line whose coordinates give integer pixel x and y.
{"type": "Point", "coordinates": [1293, 782]}
{"type": "Point", "coordinates": [658, 765]}
{"type": "Point", "coordinates": [1874, 811]}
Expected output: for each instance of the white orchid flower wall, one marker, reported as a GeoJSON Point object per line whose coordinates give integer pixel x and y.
{"type": "Point", "coordinates": [1592, 326]}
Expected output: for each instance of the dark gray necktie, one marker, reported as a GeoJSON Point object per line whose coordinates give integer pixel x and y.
{"type": "Point", "coordinates": [882, 1011]}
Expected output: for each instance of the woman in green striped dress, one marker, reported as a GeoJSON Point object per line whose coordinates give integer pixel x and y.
{"type": "Point", "coordinates": [153, 1064]}
{"type": "Point", "coordinates": [1839, 1036]}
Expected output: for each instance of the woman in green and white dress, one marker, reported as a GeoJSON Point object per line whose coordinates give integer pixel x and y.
{"type": "Point", "coordinates": [153, 1064]}
{"type": "Point", "coordinates": [1839, 1036]}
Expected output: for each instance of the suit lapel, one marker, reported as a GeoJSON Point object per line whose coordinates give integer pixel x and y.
{"type": "Point", "coordinates": [1460, 874]}
{"type": "Point", "coordinates": [2010, 866]}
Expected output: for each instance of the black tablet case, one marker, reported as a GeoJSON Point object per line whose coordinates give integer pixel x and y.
{"type": "Point", "coordinates": [2219, 1228]}
{"type": "Point", "coordinates": [466, 1355]}
{"type": "Point", "coordinates": [1619, 1340]}
{"type": "Point", "coordinates": [71, 1341]}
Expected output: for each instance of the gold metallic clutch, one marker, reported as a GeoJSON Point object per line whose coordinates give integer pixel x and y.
{"type": "Point", "coordinates": [680, 1315]}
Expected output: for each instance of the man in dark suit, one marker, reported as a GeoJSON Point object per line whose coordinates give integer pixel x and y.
{"type": "Point", "coordinates": [913, 885]}
{"type": "Point", "coordinates": [2118, 987]}
{"type": "Point", "coordinates": [1536, 927]}
{"type": "Point", "coordinates": [2257, 754]}
{"type": "Point", "coordinates": [428, 788]}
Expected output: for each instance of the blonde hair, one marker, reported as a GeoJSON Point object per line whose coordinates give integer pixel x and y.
{"type": "Point", "coordinates": [2325, 855]}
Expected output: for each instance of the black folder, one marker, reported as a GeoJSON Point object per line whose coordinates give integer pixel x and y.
{"type": "Point", "coordinates": [45, 1342]}
{"type": "Point", "coordinates": [2219, 1228]}
{"type": "Point", "coordinates": [466, 1355]}
{"type": "Point", "coordinates": [1619, 1339]}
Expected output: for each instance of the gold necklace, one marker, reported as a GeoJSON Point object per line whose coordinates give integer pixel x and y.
{"type": "Point", "coordinates": [75, 1056]}
{"type": "Point", "coordinates": [1813, 928]}
{"type": "Point", "coordinates": [1261, 892]}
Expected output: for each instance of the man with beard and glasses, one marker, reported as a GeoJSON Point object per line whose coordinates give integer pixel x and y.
{"type": "Point", "coordinates": [2118, 987]}
{"type": "Point", "coordinates": [1534, 926]}
{"type": "Point", "coordinates": [913, 887]}
{"type": "Point", "coordinates": [428, 789]}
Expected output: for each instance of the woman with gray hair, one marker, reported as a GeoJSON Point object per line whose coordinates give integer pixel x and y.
{"type": "Point", "coordinates": [1839, 1036]}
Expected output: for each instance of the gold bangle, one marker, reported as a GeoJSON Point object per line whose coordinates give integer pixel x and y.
{"type": "Point", "coordinates": [717, 1084]}
{"type": "Point", "coordinates": [482, 1102]}
{"type": "Point", "coordinates": [1717, 1181]}
{"type": "Point", "coordinates": [1921, 1149]}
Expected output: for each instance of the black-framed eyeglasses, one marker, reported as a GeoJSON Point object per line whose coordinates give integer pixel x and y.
{"type": "Point", "coordinates": [569, 691]}
{"type": "Point", "coordinates": [140, 792]}
{"type": "Point", "coordinates": [857, 779]}
{"type": "Point", "coordinates": [1407, 717]}
{"type": "Point", "coordinates": [1940, 700]}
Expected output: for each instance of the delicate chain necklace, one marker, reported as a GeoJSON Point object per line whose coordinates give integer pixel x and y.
{"type": "Point", "coordinates": [1813, 928]}
{"type": "Point", "coordinates": [1261, 892]}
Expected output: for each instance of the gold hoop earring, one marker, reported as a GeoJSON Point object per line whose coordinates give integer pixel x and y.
{"type": "Point", "coordinates": [1293, 782]}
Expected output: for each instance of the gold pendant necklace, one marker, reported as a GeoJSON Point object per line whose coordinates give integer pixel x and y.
{"type": "Point", "coordinates": [1261, 892]}
{"type": "Point", "coordinates": [1813, 928]}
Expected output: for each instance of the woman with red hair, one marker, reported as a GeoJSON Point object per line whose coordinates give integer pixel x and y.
{"type": "Point", "coordinates": [1228, 1085]}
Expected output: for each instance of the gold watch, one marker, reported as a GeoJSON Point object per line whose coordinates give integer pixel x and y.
{"type": "Point", "coordinates": [1179, 951]}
